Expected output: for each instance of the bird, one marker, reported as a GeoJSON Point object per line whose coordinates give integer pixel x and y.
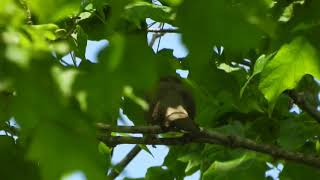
{"type": "Point", "coordinates": [172, 106]}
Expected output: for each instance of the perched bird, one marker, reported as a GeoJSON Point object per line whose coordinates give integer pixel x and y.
{"type": "Point", "coordinates": [172, 106]}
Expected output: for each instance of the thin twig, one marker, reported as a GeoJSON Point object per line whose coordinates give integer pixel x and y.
{"type": "Point", "coordinates": [151, 24]}
{"type": "Point", "coordinates": [73, 58]}
{"type": "Point", "coordinates": [163, 30]}
{"type": "Point", "coordinates": [162, 25]}
{"type": "Point", "coordinates": [64, 62]}
{"type": "Point", "coordinates": [154, 37]}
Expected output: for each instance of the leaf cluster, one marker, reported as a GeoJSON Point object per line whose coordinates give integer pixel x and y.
{"type": "Point", "coordinates": [244, 57]}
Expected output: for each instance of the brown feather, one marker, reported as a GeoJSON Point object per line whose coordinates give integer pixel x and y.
{"type": "Point", "coordinates": [172, 105]}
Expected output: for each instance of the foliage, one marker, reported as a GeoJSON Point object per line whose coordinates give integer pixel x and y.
{"type": "Point", "coordinates": [269, 47]}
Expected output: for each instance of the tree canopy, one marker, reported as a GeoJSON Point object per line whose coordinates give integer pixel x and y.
{"type": "Point", "coordinates": [253, 70]}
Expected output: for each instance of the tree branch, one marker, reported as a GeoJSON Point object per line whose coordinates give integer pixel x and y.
{"type": "Point", "coordinates": [135, 151]}
{"type": "Point", "coordinates": [163, 30]}
{"type": "Point", "coordinates": [130, 129]}
{"type": "Point", "coordinates": [209, 137]}
{"type": "Point", "coordinates": [124, 162]}
{"type": "Point", "coordinates": [304, 105]}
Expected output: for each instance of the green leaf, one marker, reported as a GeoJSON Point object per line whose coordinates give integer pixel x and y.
{"type": "Point", "coordinates": [177, 167]}
{"type": "Point", "coordinates": [317, 146]}
{"type": "Point", "coordinates": [231, 24]}
{"type": "Point", "coordinates": [139, 11]}
{"type": "Point", "coordinates": [34, 38]}
{"type": "Point", "coordinates": [134, 112]}
{"type": "Point", "coordinates": [233, 128]}
{"type": "Point", "coordinates": [65, 79]}
{"type": "Point", "coordinates": [166, 63]}
{"type": "Point", "coordinates": [126, 61]}
{"type": "Point", "coordinates": [285, 70]}
{"type": "Point", "coordinates": [158, 173]}
{"type": "Point", "coordinates": [50, 121]}
{"type": "Point", "coordinates": [192, 156]}
{"type": "Point", "coordinates": [56, 106]}
{"type": "Point", "coordinates": [115, 56]}
{"type": "Point", "coordinates": [130, 57]}
{"type": "Point", "coordinates": [85, 15]}
{"type": "Point", "coordinates": [5, 106]}
{"type": "Point", "coordinates": [288, 12]}
{"type": "Point", "coordinates": [106, 152]}
{"type": "Point", "coordinates": [52, 142]}
{"type": "Point", "coordinates": [97, 33]}
{"type": "Point", "coordinates": [192, 167]}
{"type": "Point", "coordinates": [18, 55]}
{"type": "Point", "coordinates": [258, 68]}
{"type": "Point", "coordinates": [81, 43]}
{"type": "Point", "coordinates": [35, 85]}
{"type": "Point", "coordinates": [146, 149]}
{"type": "Point", "coordinates": [294, 133]}
{"type": "Point", "coordinates": [171, 2]}
{"type": "Point", "coordinates": [46, 30]}
{"type": "Point", "coordinates": [212, 94]}
{"type": "Point", "coordinates": [59, 9]}
{"type": "Point", "coordinates": [128, 92]}
{"type": "Point", "coordinates": [264, 129]}
{"type": "Point", "coordinates": [13, 160]}
{"type": "Point", "coordinates": [212, 153]}
{"type": "Point", "coordinates": [10, 13]}
{"type": "Point", "coordinates": [294, 171]}
{"type": "Point", "coordinates": [102, 104]}
{"type": "Point", "coordinates": [227, 68]}
{"type": "Point", "coordinates": [237, 169]}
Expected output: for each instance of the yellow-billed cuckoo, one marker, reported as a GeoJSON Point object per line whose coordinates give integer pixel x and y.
{"type": "Point", "coordinates": [172, 106]}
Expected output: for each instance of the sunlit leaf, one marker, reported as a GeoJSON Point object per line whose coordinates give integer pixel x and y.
{"type": "Point", "coordinates": [65, 79]}
{"type": "Point", "coordinates": [258, 67]}
{"type": "Point", "coordinates": [10, 13]}
{"type": "Point", "coordinates": [58, 9]}
{"type": "Point", "coordinates": [236, 169]}
{"type": "Point", "coordinates": [285, 70]}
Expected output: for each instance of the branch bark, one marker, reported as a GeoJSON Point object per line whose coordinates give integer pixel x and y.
{"type": "Point", "coordinates": [304, 105]}
{"type": "Point", "coordinates": [209, 137]}
{"type": "Point", "coordinates": [130, 129]}
{"type": "Point", "coordinates": [163, 30]}
{"type": "Point", "coordinates": [124, 162]}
